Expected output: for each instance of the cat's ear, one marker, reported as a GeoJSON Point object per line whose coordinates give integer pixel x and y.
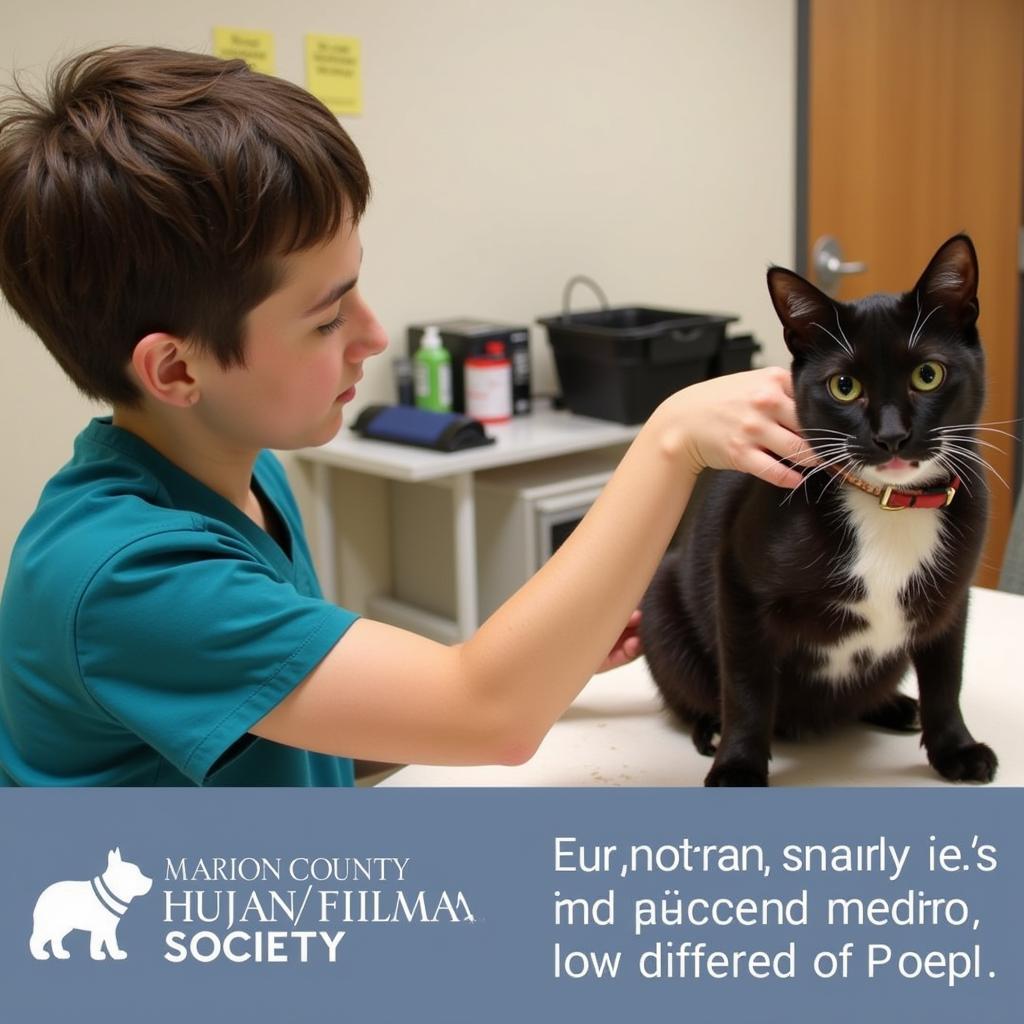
{"type": "Point", "coordinates": [805, 311]}
{"type": "Point", "coordinates": [951, 279]}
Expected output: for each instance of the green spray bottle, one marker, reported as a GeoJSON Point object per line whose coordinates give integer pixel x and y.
{"type": "Point", "coordinates": [433, 373]}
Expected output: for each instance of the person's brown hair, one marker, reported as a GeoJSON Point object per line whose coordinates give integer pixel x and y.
{"type": "Point", "coordinates": [155, 190]}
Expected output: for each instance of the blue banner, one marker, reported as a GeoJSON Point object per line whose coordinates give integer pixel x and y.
{"type": "Point", "coordinates": [495, 905]}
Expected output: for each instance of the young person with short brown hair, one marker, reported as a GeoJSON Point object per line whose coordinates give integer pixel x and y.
{"type": "Point", "coordinates": [183, 235]}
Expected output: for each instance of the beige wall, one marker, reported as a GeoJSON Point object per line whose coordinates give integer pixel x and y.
{"type": "Point", "coordinates": [648, 143]}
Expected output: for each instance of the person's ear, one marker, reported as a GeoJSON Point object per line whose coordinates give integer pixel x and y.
{"type": "Point", "coordinates": [164, 369]}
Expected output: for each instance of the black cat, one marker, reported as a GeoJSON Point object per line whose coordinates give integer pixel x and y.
{"type": "Point", "coordinates": [786, 613]}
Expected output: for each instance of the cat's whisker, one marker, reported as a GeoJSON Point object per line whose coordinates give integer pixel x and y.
{"type": "Point", "coordinates": [916, 337]}
{"type": "Point", "coordinates": [973, 440]}
{"type": "Point", "coordinates": [984, 423]}
{"type": "Point", "coordinates": [1002, 433]}
{"type": "Point", "coordinates": [966, 472]}
{"type": "Point", "coordinates": [825, 447]}
{"type": "Point", "coordinates": [821, 444]}
{"type": "Point", "coordinates": [943, 431]}
{"type": "Point", "coordinates": [816, 455]}
{"type": "Point", "coordinates": [830, 461]}
{"type": "Point", "coordinates": [849, 347]}
{"type": "Point", "coordinates": [913, 330]}
{"type": "Point", "coordinates": [968, 454]}
{"type": "Point", "coordinates": [989, 425]}
{"type": "Point", "coordinates": [845, 438]}
{"type": "Point", "coordinates": [829, 442]}
{"type": "Point", "coordinates": [953, 435]}
{"type": "Point", "coordinates": [827, 458]}
{"type": "Point", "coordinates": [835, 460]}
{"type": "Point", "coordinates": [955, 450]}
{"type": "Point", "coordinates": [819, 455]}
{"type": "Point", "coordinates": [835, 478]}
{"type": "Point", "coordinates": [976, 474]}
{"type": "Point", "coordinates": [950, 466]}
{"type": "Point", "coordinates": [849, 467]}
{"type": "Point", "coordinates": [846, 346]}
{"type": "Point", "coordinates": [825, 443]}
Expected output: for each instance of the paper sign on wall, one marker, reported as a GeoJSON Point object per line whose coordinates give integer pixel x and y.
{"type": "Point", "coordinates": [255, 48]}
{"type": "Point", "coordinates": [333, 72]}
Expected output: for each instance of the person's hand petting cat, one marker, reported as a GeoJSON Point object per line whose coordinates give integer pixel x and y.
{"type": "Point", "coordinates": [744, 421]}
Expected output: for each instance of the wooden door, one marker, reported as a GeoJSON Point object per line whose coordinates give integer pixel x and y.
{"type": "Point", "coordinates": [914, 132]}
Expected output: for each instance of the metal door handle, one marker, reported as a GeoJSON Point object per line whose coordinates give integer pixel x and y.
{"type": "Point", "coordinates": [829, 265]}
{"type": "Point", "coordinates": [837, 266]}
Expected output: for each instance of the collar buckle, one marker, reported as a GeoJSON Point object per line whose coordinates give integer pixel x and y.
{"type": "Point", "coordinates": [887, 493]}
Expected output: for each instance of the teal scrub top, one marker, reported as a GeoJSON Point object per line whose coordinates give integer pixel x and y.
{"type": "Point", "coordinates": [147, 623]}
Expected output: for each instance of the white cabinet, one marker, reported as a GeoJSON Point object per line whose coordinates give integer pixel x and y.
{"type": "Point", "coordinates": [434, 542]}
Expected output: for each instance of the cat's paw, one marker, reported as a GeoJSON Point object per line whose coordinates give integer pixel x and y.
{"type": "Point", "coordinates": [736, 775]}
{"type": "Point", "coordinates": [975, 762]}
{"type": "Point", "coordinates": [901, 713]}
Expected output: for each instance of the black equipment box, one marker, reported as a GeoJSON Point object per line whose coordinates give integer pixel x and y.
{"type": "Point", "coordinates": [621, 363]}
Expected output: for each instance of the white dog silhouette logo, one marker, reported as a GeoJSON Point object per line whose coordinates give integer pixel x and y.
{"type": "Point", "coordinates": [95, 907]}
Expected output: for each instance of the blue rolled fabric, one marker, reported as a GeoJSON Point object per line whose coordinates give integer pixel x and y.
{"type": "Point", "coordinates": [422, 428]}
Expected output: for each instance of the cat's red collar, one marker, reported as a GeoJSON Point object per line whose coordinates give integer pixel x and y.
{"type": "Point", "coordinates": [893, 499]}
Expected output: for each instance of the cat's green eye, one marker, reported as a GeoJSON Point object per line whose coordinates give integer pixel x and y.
{"type": "Point", "coordinates": [845, 388]}
{"type": "Point", "coordinates": [928, 376]}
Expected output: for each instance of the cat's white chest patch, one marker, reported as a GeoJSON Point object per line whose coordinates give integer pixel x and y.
{"type": "Point", "coordinates": [888, 549]}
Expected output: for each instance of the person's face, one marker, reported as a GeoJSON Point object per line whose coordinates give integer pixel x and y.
{"type": "Point", "coordinates": [305, 345]}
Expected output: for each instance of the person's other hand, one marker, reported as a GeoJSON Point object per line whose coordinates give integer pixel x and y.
{"type": "Point", "coordinates": [627, 647]}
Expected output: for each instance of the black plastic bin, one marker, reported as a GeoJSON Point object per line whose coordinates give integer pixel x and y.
{"type": "Point", "coordinates": [734, 355]}
{"type": "Point", "coordinates": [621, 363]}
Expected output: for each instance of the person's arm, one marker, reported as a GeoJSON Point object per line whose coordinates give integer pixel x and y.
{"type": "Point", "coordinates": [389, 695]}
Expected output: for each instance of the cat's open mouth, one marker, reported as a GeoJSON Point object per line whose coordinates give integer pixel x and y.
{"type": "Point", "coordinates": [902, 472]}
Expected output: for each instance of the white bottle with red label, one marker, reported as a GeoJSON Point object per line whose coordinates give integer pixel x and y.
{"type": "Point", "coordinates": [488, 380]}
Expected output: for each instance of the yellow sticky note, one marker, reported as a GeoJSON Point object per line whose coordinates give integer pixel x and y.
{"type": "Point", "coordinates": [333, 73]}
{"type": "Point", "coordinates": [255, 48]}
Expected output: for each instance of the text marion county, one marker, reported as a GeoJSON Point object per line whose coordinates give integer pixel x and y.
{"type": "Point", "coordinates": [298, 869]}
